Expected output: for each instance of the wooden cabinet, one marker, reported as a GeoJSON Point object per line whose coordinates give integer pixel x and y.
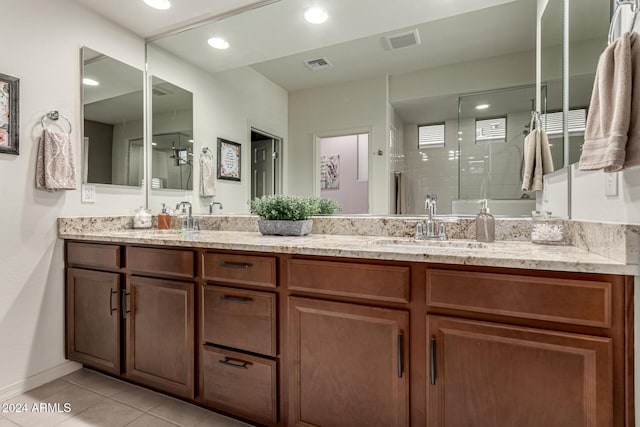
{"type": "Point", "coordinates": [160, 334]}
{"type": "Point", "coordinates": [486, 374]}
{"type": "Point", "coordinates": [347, 365]}
{"type": "Point", "coordinates": [93, 318]}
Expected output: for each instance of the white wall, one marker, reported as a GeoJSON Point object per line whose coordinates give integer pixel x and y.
{"type": "Point", "coordinates": [225, 105]}
{"type": "Point", "coordinates": [40, 42]}
{"type": "Point", "coordinates": [352, 195]}
{"type": "Point", "coordinates": [341, 109]}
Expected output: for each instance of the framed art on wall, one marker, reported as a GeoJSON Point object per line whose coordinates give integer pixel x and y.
{"type": "Point", "coordinates": [9, 98]}
{"type": "Point", "coordinates": [228, 160]}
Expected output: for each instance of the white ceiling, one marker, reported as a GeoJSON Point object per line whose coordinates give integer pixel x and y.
{"type": "Point", "coordinates": [146, 22]}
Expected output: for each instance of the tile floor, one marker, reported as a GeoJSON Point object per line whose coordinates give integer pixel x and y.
{"type": "Point", "coordinates": [99, 400]}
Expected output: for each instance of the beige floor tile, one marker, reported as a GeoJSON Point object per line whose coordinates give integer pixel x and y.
{"type": "Point", "coordinates": [150, 421]}
{"type": "Point", "coordinates": [107, 413]}
{"type": "Point", "coordinates": [216, 420]}
{"type": "Point", "coordinates": [179, 412]}
{"type": "Point", "coordinates": [49, 389]}
{"type": "Point", "coordinates": [139, 398]}
{"type": "Point", "coordinates": [96, 382]}
{"type": "Point", "coordinates": [6, 423]}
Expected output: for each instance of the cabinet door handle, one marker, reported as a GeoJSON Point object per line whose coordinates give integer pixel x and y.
{"type": "Point", "coordinates": [400, 354]}
{"type": "Point", "coordinates": [123, 299]}
{"type": "Point", "coordinates": [226, 264]}
{"type": "Point", "coordinates": [236, 363]}
{"type": "Point", "coordinates": [235, 299]}
{"type": "Point", "coordinates": [432, 361]}
{"type": "Point", "coordinates": [111, 309]}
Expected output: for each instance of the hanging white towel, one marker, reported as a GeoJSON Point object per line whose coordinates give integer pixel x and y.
{"type": "Point", "coordinates": [537, 160]}
{"type": "Point", "coordinates": [55, 163]}
{"type": "Point", "coordinates": [207, 175]}
{"type": "Point", "coordinates": [612, 135]}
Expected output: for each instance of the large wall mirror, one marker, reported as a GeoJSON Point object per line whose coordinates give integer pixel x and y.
{"type": "Point", "coordinates": [112, 99]}
{"type": "Point", "coordinates": [394, 74]}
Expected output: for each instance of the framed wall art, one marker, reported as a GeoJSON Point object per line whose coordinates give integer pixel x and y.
{"type": "Point", "coordinates": [229, 160]}
{"type": "Point", "coordinates": [9, 120]}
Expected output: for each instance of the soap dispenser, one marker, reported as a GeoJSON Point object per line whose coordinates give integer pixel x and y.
{"type": "Point", "coordinates": [164, 219]}
{"type": "Point", "coordinates": [485, 224]}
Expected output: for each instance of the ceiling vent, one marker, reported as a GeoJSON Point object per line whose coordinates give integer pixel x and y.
{"type": "Point", "coordinates": [318, 64]}
{"type": "Point", "coordinates": [402, 40]}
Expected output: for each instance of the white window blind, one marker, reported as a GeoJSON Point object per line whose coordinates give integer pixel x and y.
{"type": "Point", "coordinates": [431, 136]}
{"type": "Point", "coordinates": [491, 130]}
{"type": "Point", "coordinates": [577, 122]}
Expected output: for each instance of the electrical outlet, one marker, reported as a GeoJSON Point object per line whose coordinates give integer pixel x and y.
{"type": "Point", "coordinates": [611, 184]}
{"type": "Point", "coordinates": [88, 193]}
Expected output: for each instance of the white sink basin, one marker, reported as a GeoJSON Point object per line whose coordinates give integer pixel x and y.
{"type": "Point", "coordinates": [444, 244]}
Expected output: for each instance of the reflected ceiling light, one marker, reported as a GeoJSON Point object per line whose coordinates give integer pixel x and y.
{"type": "Point", "coordinates": [158, 4]}
{"type": "Point", "coordinates": [90, 82]}
{"type": "Point", "coordinates": [218, 43]}
{"type": "Point", "coordinates": [316, 15]}
{"type": "Point", "coordinates": [482, 106]}
{"type": "Point", "coordinates": [154, 143]}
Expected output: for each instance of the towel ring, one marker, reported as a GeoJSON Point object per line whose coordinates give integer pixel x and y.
{"type": "Point", "coordinates": [635, 6]}
{"type": "Point", "coordinates": [54, 115]}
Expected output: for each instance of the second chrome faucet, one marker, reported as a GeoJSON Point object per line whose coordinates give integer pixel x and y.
{"type": "Point", "coordinates": [430, 205]}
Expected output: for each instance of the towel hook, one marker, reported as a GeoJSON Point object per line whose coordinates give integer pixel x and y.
{"type": "Point", "coordinates": [635, 7]}
{"type": "Point", "coordinates": [54, 115]}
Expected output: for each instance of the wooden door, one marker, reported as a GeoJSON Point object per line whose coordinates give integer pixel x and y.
{"type": "Point", "coordinates": [262, 168]}
{"type": "Point", "coordinates": [160, 334]}
{"type": "Point", "coordinates": [93, 319]}
{"type": "Point", "coordinates": [348, 365]}
{"type": "Point", "coordinates": [494, 375]}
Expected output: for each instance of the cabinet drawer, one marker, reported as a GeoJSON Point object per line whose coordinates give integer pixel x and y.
{"type": "Point", "coordinates": [242, 269]}
{"type": "Point", "coordinates": [577, 302]}
{"type": "Point", "coordinates": [240, 319]}
{"type": "Point", "coordinates": [93, 255]}
{"type": "Point", "coordinates": [376, 282]}
{"type": "Point", "coordinates": [240, 383]}
{"type": "Point", "coordinates": [161, 261]}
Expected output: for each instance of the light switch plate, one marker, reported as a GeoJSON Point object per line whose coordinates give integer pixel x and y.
{"type": "Point", "coordinates": [88, 193]}
{"type": "Point", "coordinates": [611, 184]}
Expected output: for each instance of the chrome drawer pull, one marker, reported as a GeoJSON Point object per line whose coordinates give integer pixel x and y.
{"type": "Point", "coordinates": [111, 309]}
{"type": "Point", "coordinates": [236, 363]}
{"type": "Point", "coordinates": [237, 300]}
{"type": "Point", "coordinates": [226, 264]}
{"type": "Point", "coordinates": [432, 361]}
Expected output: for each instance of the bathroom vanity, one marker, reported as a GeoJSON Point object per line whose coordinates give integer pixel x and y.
{"type": "Point", "coordinates": [357, 330]}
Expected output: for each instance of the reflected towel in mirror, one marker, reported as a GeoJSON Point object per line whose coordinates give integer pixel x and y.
{"type": "Point", "coordinates": [55, 162]}
{"type": "Point", "coordinates": [207, 175]}
{"type": "Point", "coordinates": [537, 160]}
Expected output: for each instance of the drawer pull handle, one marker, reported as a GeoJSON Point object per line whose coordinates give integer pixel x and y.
{"type": "Point", "coordinates": [236, 363]}
{"type": "Point", "coordinates": [400, 351]}
{"type": "Point", "coordinates": [237, 300]}
{"type": "Point", "coordinates": [111, 309]}
{"type": "Point", "coordinates": [226, 264]}
{"type": "Point", "coordinates": [124, 296]}
{"type": "Point", "coordinates": [432, 361]}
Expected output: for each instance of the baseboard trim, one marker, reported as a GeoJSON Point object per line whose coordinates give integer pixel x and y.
{"type": "Point", "coordinates": [38, 379]}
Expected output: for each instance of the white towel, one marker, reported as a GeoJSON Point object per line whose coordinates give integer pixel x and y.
{"type": "Point", "coordinates": [207, 175]}
{"type": "Point", "coordinates": [55, 163]}
{"type": "Point", "coordinates": [614, 108]}
{"type": "Point", "coordinates": [537, 160]}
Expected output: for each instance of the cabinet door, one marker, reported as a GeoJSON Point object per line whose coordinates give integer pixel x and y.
{"type": "Point", "coordinates": [485, 374]}
{"type": "Point", "coordinates": [160, 334]}
{"type": "Point", "coordinates": [93, 319]}
{"type": "Point", "coordinates": [348, 365]}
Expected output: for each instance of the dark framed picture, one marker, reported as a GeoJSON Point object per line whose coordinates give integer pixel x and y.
{"type": "Point", "coordinates": [9, 98]}
{"type": "Point", "coordinates": [228, 160]}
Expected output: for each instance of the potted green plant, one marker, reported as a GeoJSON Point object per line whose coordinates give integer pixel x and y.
{"type": "Point", "coordinates": [289, 215]}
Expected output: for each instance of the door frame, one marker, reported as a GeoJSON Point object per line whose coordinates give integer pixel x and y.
{"type": "Point", "coordinates": [317, 136]}
{"type": "Point", "coordinates": [278, 170]}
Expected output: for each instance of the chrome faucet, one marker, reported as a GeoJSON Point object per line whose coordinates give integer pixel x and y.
{"type": "Point", "coordinates": [430, 205]}
{"type": "Point", "coordinates": [190, 223]}
{"type": "Point", "coordinates": [211, 206]}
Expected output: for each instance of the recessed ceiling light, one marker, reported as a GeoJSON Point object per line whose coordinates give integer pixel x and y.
{"type": "Point", "coordinates": [90, 82]}
{"type": "Point", "coordinates": [316, 15]}
{"type": "Point", "coordinates": [154, 143]}
{"type": "Point", "coordinates": [218, 43]}
{"type": "Point", "coordinates": [159, 4]}
{"type": "Point", "coordinates": [482, 106]}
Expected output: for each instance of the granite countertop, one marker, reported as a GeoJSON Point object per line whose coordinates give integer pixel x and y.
{"type": "Point", "coordinates": [508, 254]}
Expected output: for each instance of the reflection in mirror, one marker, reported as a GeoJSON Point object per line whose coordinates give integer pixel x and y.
{"type": "Point", "coordinates": [401, 65]}
{"type": "Point", "coordinates": [112, 121]}
{"type": "Point", "coordinates": [551, 54]}
{"type": "Point", "coordinates": [172, 140]}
